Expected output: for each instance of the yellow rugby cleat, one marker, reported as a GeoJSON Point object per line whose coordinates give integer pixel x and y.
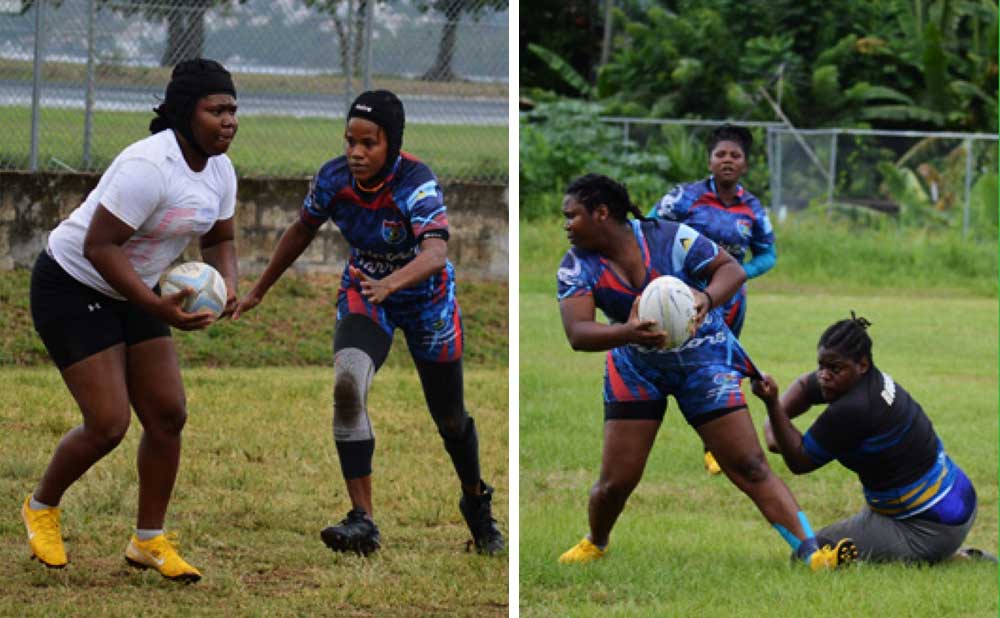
{"type": "Point", "coordinates": [582, 552]}
{"type": "Point", "coordinates": [159, 553]}
{"type": "Point", "coordinates": [826, 557]}
{"type": "Point", "coordinates": [44, 535]}
{"type": "Point", "coordinates": [711, 465]}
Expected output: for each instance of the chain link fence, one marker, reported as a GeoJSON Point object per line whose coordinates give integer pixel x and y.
{"type": "Point", "coordinates": [79, 78]}
{"type": "Point", "coordinates": [929, 179]}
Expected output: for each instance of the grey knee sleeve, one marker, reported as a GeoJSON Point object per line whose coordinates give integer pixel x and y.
{"type": "Point", "coordinates": [353, 372]}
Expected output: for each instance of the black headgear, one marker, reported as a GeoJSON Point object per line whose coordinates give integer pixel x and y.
{"type": "Point", "coordinates": [386, 110]}
{"type": "Point", "coordinates": [191, 80]}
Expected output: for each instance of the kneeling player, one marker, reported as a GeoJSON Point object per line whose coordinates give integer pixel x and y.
{"type": "Point", "coordinates": [920, 504]}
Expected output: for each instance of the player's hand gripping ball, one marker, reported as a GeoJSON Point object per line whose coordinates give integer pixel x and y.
{"type": "Point", "coordinates": [669, 302]}
{"type": "Point", "coordinates": [208, 285]}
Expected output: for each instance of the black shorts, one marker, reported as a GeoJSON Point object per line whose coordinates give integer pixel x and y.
{"type": "Point", "coordinates": [76, 321]}
{"type": "Point", "coordinates": [655, 410]}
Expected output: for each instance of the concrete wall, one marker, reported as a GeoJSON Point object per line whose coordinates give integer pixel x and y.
{"type": "Point", "coordinates": [32, 204]}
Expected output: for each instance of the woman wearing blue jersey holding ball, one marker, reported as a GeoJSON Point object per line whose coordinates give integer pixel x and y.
{"type": "Point", "coordinates": [611, 261]}
{"type": "Point", "coordinates": [389, 207]}
{"type": "Point", "coordinates": [723, 210]}
{"type": "Point", "coordinates": [94, 303]}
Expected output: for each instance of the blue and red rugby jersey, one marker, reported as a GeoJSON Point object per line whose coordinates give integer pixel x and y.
{"type": "Point", "coordinates": [735, 228]}
{"type": "Point", "coordinates": [668, 248]}
{"type": "Point", "coordinates": [384, 227]}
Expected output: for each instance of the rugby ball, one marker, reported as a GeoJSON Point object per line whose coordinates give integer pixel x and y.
{"type": "Point", "coordinates": [669, 302]}
{"type": "Point", "coordinates": [208, 285]}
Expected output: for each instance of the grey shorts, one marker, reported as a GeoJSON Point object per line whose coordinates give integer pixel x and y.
{"type": "Point", "coordinates": [880, 538]}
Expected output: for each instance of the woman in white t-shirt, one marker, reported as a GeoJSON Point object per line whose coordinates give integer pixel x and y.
{"type": "Point", "coordinates": [96, 306]}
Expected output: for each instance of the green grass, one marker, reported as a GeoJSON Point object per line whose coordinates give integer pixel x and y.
{"type": "Point", "coordinates": [816, 255]}
{"type": "Point", "coordinates": [691, 545]}
{"type": "Point", "coordinates": [293, 326]}
{"type": "Point", "coordinates": [265, 146]}
{"type": "Point", "coordinates": [258, 480]}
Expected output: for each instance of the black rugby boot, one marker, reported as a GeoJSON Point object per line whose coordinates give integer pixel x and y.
{"type": "Point", "coordinates": [479, 516]}
{"type": "Point", "coordinates": [355, 533]}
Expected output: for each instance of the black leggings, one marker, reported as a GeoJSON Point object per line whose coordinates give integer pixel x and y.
{"type": "Point", "coordinates": [442, 384]}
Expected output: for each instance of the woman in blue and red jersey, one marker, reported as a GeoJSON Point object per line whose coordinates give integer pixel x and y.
{"type": "Point", "coordinates": [722, 209]}
{"type": "Point", "coordinates": [611, 261]}
{"type": "Point", "coordinates": [389, 208]}
{"type": "Point", "coordinates": [919, 504]}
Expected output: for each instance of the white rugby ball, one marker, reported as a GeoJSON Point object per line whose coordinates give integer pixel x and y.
{"type": "Point", "coordinates": [669, 302]}
{"type": "Point", "coordinates": [208, 285]}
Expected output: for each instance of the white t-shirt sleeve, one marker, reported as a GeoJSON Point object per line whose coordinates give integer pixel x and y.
{"type": "Point", "coordinates": [135, 191]}
{"type": "Point", "coordinates": [228, 206]}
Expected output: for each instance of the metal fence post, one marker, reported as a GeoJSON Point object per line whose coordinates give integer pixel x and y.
{"type": "Point", "coordinates": [348, 69]}
{"type": "Point", "coordinates": [968, 187]}
{"type": "Point", "coordinates": [36, 87]}
{"type": "Point", "coordinates": [776, 182]}
{"type": "Point", "coordinates": [833, 168]}
{"type": "Point", "coordinates": [369, 21]}
{"type": "Point", "coordinates": [88, 114]}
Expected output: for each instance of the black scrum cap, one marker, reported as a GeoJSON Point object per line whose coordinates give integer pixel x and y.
{"type": "Point", "coordinates": [191, 80]}
{"type": "Point", "coordinates": [386, 110]}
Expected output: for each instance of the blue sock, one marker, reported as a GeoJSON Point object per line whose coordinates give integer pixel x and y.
{"type": "Point", "coordinates": [802, 548]}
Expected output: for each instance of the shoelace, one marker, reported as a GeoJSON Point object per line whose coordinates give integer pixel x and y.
{"type": "Point", "coordinates": [166, 545]}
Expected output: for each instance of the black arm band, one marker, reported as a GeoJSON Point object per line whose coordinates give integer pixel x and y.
{"type": "Point", "coordinates": [438, 233]}
{"type": "Point", "coordinates": [711, 303]}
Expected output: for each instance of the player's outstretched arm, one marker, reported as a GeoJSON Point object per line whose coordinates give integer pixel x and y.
{"type": "Point", "coordinates": [291, 245]}
{"type": "Point", "coordinates": [218, 249]}
{"type": "Point", "coordinates": [430, 260]}
{"type": "Point", "coordinates": [784, 434]}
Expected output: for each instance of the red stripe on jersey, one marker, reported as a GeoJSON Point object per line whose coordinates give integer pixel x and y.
{"type": "Point", "coordinates": [712, 201]}
{"type": "Point", "coordinates": [356, 303]}
{"type": "Point", "coordinates": [382, 200]}
{"type": "Point", "coordinates": [456, 322]}
{"type": "Point", "coordinates": [310, 220]}
{"type": "Point", "coordinates": [609, 280]}
{"type": "Point", "coordinates": [735, 399]}
{"type": "Point", "coordinates": [731, 314]}
{"type": "Point", "coordinates": [621, 392]}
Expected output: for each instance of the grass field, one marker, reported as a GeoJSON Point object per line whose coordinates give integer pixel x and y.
{"type": "Point", "coordinates": [292, 327]}
{"type": "Point", "coordinates": [691, 545]}
{"type": "Point", "coordinates": [259, 475]}
{"type": "Point", "coordinates": [259, 478]}
{"type": "Point", "coordinates": [265, 146]}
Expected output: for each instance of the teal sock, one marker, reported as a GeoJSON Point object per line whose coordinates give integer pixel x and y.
{"type": "Point", "coordinates": [144, 534]}
{"type": "Point", "coordinates": [803, 548]}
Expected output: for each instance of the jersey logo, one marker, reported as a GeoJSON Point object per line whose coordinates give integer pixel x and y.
{"type": "Point", "coordinates": [393, 232]}
{"type": "Point", "coordinates": [743, 228]}
{"type": "Point", "coordinates": [570, 274]}
{"type": "Point", "coordinates": [888, 388]}
{"type": "Point", "coordinates": [665, 208]}
{"type": "Point", "coordinates": [686, 243]}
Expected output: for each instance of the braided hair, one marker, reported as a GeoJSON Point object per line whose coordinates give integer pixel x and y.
{"type": "Point", "coordinates": [592, 190]}
{"type": "Point", "coordinates": [731, 133]}
{"type": "Point", "coordinates": [848, 338]}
